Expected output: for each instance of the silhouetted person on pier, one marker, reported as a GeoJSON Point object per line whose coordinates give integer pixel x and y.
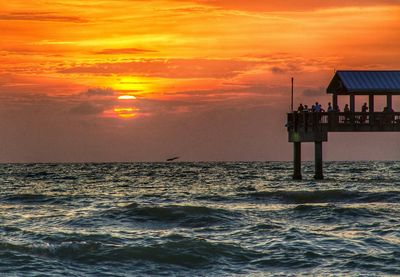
{"type": "Point", "coordinates": [392, 116]}
{"type": "Point", "coordinates": [317, 107]}
{"type": "Point", "coordinates": [331, 117]}
{"type": "Point", "coordinates": [346, 113]}
{"type": "Point", "coordinates": [305, 114]}
{"type": "Point", "coordinates": [389, 110]}
{"type": "Point", "coordinates": [330, 109]}
{"type": "Point", "coordinates": [388, 117]}
{"type": "Point", "coordinates": [364, 110]}
{"type": "Point", "coordinates": [300, 116]}
{"type": "Point", "coordinates": [300, 108]}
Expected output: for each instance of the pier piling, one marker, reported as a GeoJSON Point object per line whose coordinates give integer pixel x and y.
{"type": "Point", "coordinates": [297, 160]}
{"type": "Point", "coordinates": [318, 161]}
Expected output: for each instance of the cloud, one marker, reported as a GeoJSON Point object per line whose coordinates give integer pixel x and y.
{"type": "Point", "coordinates": [87, 108]}
{"type": "Point", "coordinates": [41, 16]}
{"type": "Point", "coordinates": [93, 101]}
{"type": "Point", "coordinates": [292, 5]}
{"type": "Point", "coordinates": [314, 92]}
{"type": "Point", "coordinates": [118, 51]}
{"type": "Point", "coordinates": [278, 70]}
{"type": "Point", "coordinates": [22, 95]}
{"type": "Point", "coordinates": [27, 85]}
{"type": "Point", "coordinates": [174, 68]}
{"type": "Point", "coordinates": [199, 9]}
{"type": "Point", "coordinates": [99, 92]}
{"type": "Point", "coordinates": [244, 97]}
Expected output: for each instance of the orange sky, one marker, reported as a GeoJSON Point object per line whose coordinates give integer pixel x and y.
{"type": "Point", "coordinates": [64, 63]}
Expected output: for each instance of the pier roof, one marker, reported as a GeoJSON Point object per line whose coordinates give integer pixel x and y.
{"type": "Point", "coordinates": [362, 82]}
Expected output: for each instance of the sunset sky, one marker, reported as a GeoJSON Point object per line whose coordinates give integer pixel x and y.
{"type": "Point", "coordinates": [119, 80]}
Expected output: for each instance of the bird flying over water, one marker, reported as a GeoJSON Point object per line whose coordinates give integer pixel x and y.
{"type": "Point", "coordinates": [172, 159]}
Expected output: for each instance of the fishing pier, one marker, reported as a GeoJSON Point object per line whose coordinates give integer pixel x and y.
{"type": "Point", "coordinates": [305, 126]}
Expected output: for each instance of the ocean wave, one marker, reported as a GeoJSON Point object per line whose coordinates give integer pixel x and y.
{"type": "Point", "coordinates": [333, 214]}
{"type": "Point", "coordinates": [378, 262]}
{"type": "Point", "coordinates": [326, 196]}
{"type": "Point", "coordinates": [183, 215]}
{"type": "Point", "coordinates": [31, 198]}
{"type": "Point", "coordinates": [213, 219]}
{"type": "Point", "coordinates": [214, 197]}
{"type": "Point", "coordinates": [173, 249]}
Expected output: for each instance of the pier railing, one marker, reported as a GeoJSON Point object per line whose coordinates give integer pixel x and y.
{"type": "Point", "coordinates": [343, 121]}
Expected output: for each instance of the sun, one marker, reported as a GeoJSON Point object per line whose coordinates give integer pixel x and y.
{"type": "Point", "coordinates": [126, 97]}
{"type": "Point", "coordinates": [126, 106]}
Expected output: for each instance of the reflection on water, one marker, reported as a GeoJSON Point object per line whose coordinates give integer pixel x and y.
{"type": "Point", "coordinates": [199, 219]}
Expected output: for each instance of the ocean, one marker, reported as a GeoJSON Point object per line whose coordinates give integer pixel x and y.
{"type": "Point", "coordinates": [199, 219]}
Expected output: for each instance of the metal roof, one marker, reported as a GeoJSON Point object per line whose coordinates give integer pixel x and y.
{"type": "Point", "coordinates": [365, 82]}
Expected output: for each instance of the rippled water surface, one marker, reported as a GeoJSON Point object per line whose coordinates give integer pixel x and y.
{"type": "Point", "coordinates": [197, 219]}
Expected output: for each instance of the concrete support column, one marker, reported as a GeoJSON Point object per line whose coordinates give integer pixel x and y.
{"type": "Point", "coordinates": [371, 109]}
{"type": "Point", "coordinates": [352, 103]}
{"type": "Point", "coordinates": [352, 107]}
{"type": "Point", "coordinates": [334, 101]}
{"type": "Point", "coordinates": [318, 160]}
{"type": "Point", "coordinates": [297, 160]}
{"type": "Point", "coordinates": [371, 103]}
{"type": "Point", "coordinates": [389, 102]}
{"type": "Point", "coordinates": [333, 118]}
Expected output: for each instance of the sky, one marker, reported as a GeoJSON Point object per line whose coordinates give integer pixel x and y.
{"type": "Point", "coordinates": [205, 80]}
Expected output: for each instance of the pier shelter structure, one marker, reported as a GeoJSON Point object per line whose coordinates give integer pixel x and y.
{"type": "Point", "coordinates": [308, 126]}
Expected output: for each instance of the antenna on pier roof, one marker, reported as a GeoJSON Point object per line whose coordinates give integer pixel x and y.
{"type": "Point", "coordinates": [292, 95]}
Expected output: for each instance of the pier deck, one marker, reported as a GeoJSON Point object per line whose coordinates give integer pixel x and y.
{"type": "Point", "coordinates": [307, 124]}
{"type": "Point", "coordinates": [304, 126]}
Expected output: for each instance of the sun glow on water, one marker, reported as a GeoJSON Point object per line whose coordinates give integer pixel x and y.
{"type": "Point", "coordinates": [128, 112]}
{"type": "Point", "coordinates": [125, 109]}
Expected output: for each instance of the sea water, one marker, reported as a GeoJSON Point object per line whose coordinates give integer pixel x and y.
{"type": "Point", "coordinates": [199, 219]}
